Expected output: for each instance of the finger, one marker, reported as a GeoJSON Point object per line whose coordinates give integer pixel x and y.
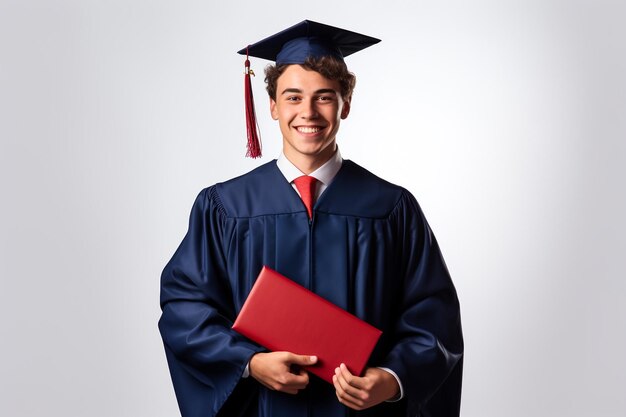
{"type": "Point", "coordinates": [304, 360]}
{"type": "Point", "coordinates": [303, 373]}
{"type": "Point", "coordinates": [286, 384]}
{"type": "Point", "coordinates": [356, 394]}
{"type": "Point", "coordinates": [352, 380]}
{"type": "Point", "coordinates": [343, 398]}
{"type": "Point", "coordinates": [299, 380]}
{"type": "Point", "coordinates": [346, 397]}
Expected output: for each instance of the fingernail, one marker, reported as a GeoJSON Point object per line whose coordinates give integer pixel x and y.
{"type": "Point", "coordinates": [313, 358]}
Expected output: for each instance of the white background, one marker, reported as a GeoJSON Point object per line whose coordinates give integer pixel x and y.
{"type": "Point", "coordinates": [507, 120]}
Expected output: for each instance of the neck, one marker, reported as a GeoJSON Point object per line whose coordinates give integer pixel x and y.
{"type": "Point", "coordinates": [309, 163]}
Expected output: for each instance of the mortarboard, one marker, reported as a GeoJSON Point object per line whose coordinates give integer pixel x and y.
{"type": "Point", "coordinates": [293, 46]}
{"type": "Point", "coordinates": [307, 38]}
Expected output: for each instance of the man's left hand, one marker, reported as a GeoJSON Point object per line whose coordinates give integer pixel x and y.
{"type": "Point", "coordinates": [364, 392]}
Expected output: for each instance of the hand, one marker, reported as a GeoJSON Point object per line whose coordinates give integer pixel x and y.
{"type": "Point", "coordinates": [364, 392]}
{"type": "Point", "coordinates": [274, 370]}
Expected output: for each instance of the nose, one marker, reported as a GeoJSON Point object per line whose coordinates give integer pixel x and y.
{"type": "Point", "coordinates": [308, 110]}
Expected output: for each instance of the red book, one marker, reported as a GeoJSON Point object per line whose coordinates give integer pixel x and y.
{"type": "Point", "coordinates": [284, 316]}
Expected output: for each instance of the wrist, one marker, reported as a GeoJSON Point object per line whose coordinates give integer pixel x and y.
{"type": "Point", "coordinates": [391, 380]}
{"type": "Point", "coordinates": [394, 390]}
{"type": "Point", "coordinates": [252, 363]}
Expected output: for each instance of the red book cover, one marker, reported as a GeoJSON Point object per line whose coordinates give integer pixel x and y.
{"type": "Point", "coordinates": [284, 316]}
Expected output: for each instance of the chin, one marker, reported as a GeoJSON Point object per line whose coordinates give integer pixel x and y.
{"type": "Point", "coordinates": [315, 146]}
{"type": "Point", "coordinates": [311, 150]}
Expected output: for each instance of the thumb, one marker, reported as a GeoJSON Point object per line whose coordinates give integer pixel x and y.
{"type": "Point", "coordinates": [303, 359]}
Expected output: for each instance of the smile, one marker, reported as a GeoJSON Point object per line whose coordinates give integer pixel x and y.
{"type": "Point", "coordinates": [307, 129]}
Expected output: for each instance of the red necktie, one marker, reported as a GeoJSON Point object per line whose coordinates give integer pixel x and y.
{"type": "Point", "coordinates": [306, 187]}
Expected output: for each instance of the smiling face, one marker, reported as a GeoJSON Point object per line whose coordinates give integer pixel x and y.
{"type": "Point", "coordinates": [309, 108]}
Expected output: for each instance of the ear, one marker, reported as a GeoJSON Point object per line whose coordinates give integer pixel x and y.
{"type": "Point", "coordinates": [273, 110]}
{"type": "Point", "coordinates": [345, 110]}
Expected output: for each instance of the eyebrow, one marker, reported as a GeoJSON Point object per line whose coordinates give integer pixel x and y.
{"type": "Point", "coordinates": [320, 91]}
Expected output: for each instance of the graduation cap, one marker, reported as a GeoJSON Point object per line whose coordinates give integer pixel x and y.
{"type": "Point", "coordinates": [293, 46]}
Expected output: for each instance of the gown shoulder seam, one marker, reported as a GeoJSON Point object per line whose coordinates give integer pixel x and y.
{"type": "Point", "coordinates": [214, 197]}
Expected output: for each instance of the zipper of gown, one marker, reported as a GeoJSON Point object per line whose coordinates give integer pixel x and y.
{"type": "Point", "coordinates": [310, 280]}
{"type": "Point", "coordinates": [310, 286]}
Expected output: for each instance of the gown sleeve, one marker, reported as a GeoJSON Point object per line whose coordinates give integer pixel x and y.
{"type": "Point", "coordinates": [206, 358]}
{"type": "Point", "coordinates": [427, 347]}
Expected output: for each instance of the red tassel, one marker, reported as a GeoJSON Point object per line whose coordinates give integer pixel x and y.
{"type": "Point", "coordinates": [252, 127]}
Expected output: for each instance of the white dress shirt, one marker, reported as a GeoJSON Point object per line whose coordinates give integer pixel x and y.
{"type": "Point", "coordinates": [324, 174]}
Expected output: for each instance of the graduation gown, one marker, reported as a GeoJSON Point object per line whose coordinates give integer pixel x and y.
{"type": "Point", "coordinates": [367, 249]}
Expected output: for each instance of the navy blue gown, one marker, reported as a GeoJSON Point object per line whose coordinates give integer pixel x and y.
{"type": "Point", "coordinates": [368, 249]}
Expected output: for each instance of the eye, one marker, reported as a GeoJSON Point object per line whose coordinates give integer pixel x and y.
{"type": "Point", "coordinates": [325, 98]}
{"type": "Point", "coordinates": [292, 98]}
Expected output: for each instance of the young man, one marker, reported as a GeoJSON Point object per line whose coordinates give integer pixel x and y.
{"type": "Point", "coordinates": [331, 226]}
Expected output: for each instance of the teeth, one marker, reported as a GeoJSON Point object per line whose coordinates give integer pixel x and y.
{"type": "Point", "coordinates": [309, 129]}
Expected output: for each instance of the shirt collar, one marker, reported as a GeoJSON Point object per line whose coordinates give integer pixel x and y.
{"type": "Point", "coordinates": [324, 174]}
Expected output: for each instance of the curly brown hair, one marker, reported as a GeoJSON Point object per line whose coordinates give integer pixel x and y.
{"type": "Point", "coordinates": [328, 66]}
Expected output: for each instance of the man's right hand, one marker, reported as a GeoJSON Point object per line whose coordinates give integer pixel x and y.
{"type": "Point", "coordinates": [275, 371]}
